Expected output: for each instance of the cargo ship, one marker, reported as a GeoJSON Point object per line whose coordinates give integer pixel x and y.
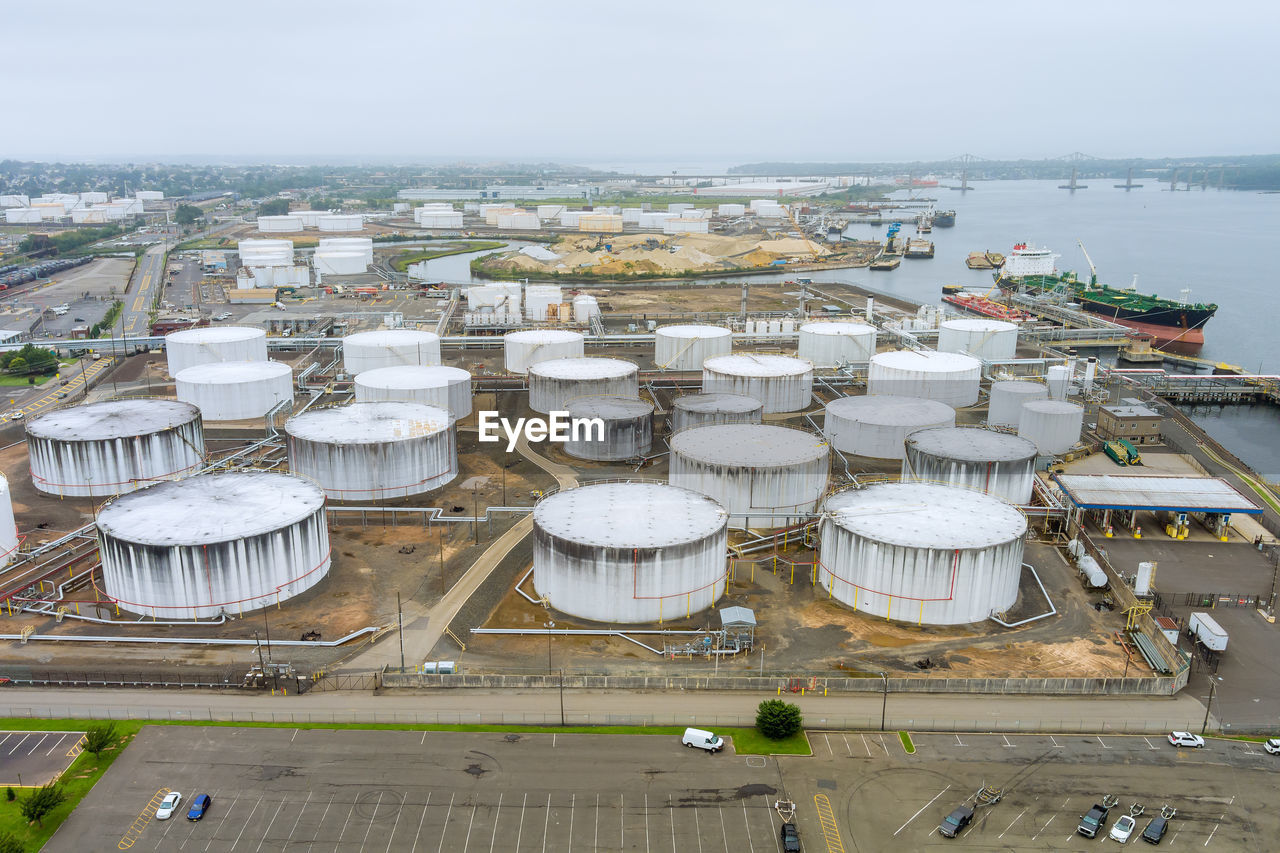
{"type": "Point", "coordinates": [1169, 321]}
{"type": "Point", "coordinates": [918, 247]}
{"type": "Point", "coordinates": [944, 218]}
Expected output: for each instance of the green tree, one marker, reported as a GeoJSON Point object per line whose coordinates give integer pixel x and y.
{"type": "Point", "coordinates": [186, 214]}
{"type": "Point", "coordinates": [275, 207]}
{"type": "Point", "coordinates": [98, 737]}
{"type": "Point", "coordinates": [9, 843]}
{"type": "Point", "coordinates": [41, 801]}
{"type": "Point", "coordinates": [17, 364]}
{"type": "Point", "coordinates": [9, 794]}
{"type": "Point", "coordinates": [776, 719]}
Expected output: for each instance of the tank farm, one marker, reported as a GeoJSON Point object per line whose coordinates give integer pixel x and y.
{"type": "Point", "coordinates": [803, 498]}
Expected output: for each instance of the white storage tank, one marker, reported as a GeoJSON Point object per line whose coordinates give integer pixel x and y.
{"type": "Point", "coordinates": [8, 527]}
{"type": "Point", "coordinates": [731, 209]}
{"type": "Point", "coordinates": [552, 384]}
{"type": "Point", "coordinates": [989, 340]}
{"type": "Point", "coordinates": [265, 253]}
{"type": "Point", "coordinates": [310, 218]}
{"type": "Point", "coordinates": [538, 297]}
{"type": "Point", "coordinates": [878, 426]}
{"type": "Point", "coordinates": [374, 451]}
{"type": "Point", "coordinates": [338, 262]}
{"type": "Point", "coordinates": [21, 215]}
{"type": "Point", "coordinates": [829, 344]}
{"type": "Point", "coordinates": [627, 432]}
{"type": "Point", "coordinates": [235, 390]}
{"type": "Point", "coordinates": [694, 410]}
{"type": "Point", "coordinates": [286, 223]}
{"type": "Point", "coordinates": [114, 446]}
{"type": "Point", "coordinates": [521, 350]}
{"type": "Point", "coordinates": [522, 220]}
{"type": "Point", "coordinates": [213, 544]}
{"type": "Point", "coordinates": [766, 476]}
{"type": "Point", "coordinates": [922, 553]}
{"type": "Point", "coordinates": [1059, 381]}
{"type": "Point", "coordinates": [1007, 397]}
{"type": "Point", "coordinates": [340, 222]}
{"type": "Point", "coordinates": [437, 385]}
{"type": "Point", "coordinates": [585, 307]}
{"type": "Point", "coordinates": [687, 346]}
{"type": "Point", "coordinates": [189, 347]}
{"type": "Point", "coordinates": [1054, 425]}
{"type": "Point", "coordinates": [389, 348]}
{"type": "Point", "coordinates": [947, 377]}
{"type": "Point", "coordinates": [629, 552]}
{"type": "Point", "coordinates": [993, 462]}
{"type": "Point", "coordinates": [782, 383]}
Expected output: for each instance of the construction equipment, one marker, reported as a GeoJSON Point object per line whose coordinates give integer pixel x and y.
{"type": "Point", "coordinates": [1122, 452]}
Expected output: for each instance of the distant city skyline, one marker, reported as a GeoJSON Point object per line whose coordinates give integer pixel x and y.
{"type": "Point", "coordinates": [664, 83]}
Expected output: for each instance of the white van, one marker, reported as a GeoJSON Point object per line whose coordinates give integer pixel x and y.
{"type": "Point", "coordinates": [703, 740]}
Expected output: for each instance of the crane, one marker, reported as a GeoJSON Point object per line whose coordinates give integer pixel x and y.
{"type": "Point", "coordinates": [1093, 272]}
{"type": "Point", "coordinates": [809, 244]}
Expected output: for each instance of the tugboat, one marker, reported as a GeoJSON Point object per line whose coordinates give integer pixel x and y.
{"type": "Point", "coordinates": [1168, 321]}
{"type": "Point", "coordinates": [944, 218]}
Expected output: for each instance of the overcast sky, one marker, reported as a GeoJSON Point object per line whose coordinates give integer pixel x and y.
{"type": "Point", "coordinates": [640, 82]}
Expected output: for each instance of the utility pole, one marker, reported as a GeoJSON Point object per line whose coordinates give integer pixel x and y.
{"type": "Point", "coordinates": [400, 627]}
{"type": "Point", "coordinates": [562, 696]}
{"type": "Point", "coordinates": [549, 626]}
{"type": "Point", "coordinates": [261, 662]}
{"type": "Point", "coordinates": [475, 512]}
{"type": "Point", "coordinates": [884, 703]}
{"type": "Point", "coordinates": [275, 675]}
{"type": "Point", "coordinates": [441, 541]}
{"type": "Point", "coordinates": [1209, 705]}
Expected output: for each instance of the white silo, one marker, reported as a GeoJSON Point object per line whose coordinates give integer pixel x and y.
{"type": "Point", "coordinates": [585, 306]}
{"type": "Point", "coordinates": [989, 340]}
{"type": "Point", "coordinates": [340, 222]}
{"type": "Point", "coordinates": [694, 410]}
{"type": "Point", "coordinates": [235, 390]}
{"type": "Point", "coordinates": [521, 350]}
{"type": "Point", "coordinates": [1005, 405]}
{"type": "Point", "coordinates": [629, 552]}
{"type": "Point", "coordinates": [922, 553]}
{"type": "Point", "coordinates": [374, 451]}
{"type": "Point", "coordinates": [212, 544]}
{"type": "Point", "coordinates": [437, 385]}
{"type": "Point", "coordinates": [190, 347]}
{"type": "Point", "coordinates": [997, 463]}
{"type": "Point", "coordinates": [552, 384]}
{"type": "Point", "coordinates": [114, 446]}
{"type": "Point", "coordinates": [685, 347]}
{"type": "Point", "coordinates": [829, 344]}
{"type": "Point", "coordinates": [878, 426]}
{"type": "Point", "coordinates": [766, 476]}
{"type": "Point", "coordinates": [1054, 425]}
{"type": "Point", "coordinates": [389, 348]}
{"type": "Point", "coordinates": [8, 527]}
{"type": "Point", "coordinates": [627, 431]}
{"type": "Point", "coordinates": [782, 383]}
{"type": "Point", "coordinates": [285, 224]}
{"type": "Point", "coordinates": [947, 377]}
{"type": "Point", "coordinates": [1059, 381]}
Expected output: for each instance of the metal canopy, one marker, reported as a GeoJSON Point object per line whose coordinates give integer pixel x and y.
{"type": "Point", "coordinates": [1174, 494]}
{"type": "Point", "coordinates": [737, 617]}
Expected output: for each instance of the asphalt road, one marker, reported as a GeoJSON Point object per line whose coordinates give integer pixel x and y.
{"type": "Point", "coordinates": [147, 279]}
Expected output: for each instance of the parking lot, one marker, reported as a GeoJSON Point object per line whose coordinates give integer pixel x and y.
{"type": "Point", "coordinates": [36, 758]}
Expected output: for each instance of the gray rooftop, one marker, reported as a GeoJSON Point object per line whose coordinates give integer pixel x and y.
{"type": "Point", "coordinates": [1174, 494]}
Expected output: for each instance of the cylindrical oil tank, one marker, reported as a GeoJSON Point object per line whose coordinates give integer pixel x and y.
{"type": "Point", "coordinates": [766, 476]}
{"type": "Point", "coordinates": [340, 222]}
{"type": "Point", "coordinates": [113, 446]}
{"type": "Point", "coordinates": [235, 390]}
{"type": "Point", "coordinates": [190, 347]}
{"type": "Point", "coordinates": [215, 543]}
{"type": "Point", "coordinates": [283, 223]}
{"type": "Point", "coordinates": [989, 340]}
{"type": "Point", "coordinates": [625, 430]}
{"type": "Point", "coordinates": [524, 349]}
{"type": "Point", "coordinates": [437, 385]}
{"type": "Point", "coordinates": [877, 426]}
{"type": "Point", "coordinates": [1059, 381]}
{"type": "Point", "coordinates": [265, 253]}
{"type": "Point", "coordinates": [629, 552]}
{"type": "Point", "coordinates": [922, 553]}
{"type": "Point", "coordinates": [997, 463]}
{"type": "Point", "coordinates": [829, 344]}
{"type": "Point", "coordinates": [780, 382]}
{"type": "Point", "coordinates": [1054, 425]}
{"type": "Point", "coordinates": [694, 410]}
{"type": "Point", "coordinates": [373, 451]}
{"type": "Point", "coordinates": [947, 377]}
{"type": "Point", "coordinates": [389, 348]}
{"type": "Point", "coordinates": [552, 384]}
{"type": "Point", "coordinates": [8, 528]}
{"type": "Point", "coordinates": [686, 347]}
{"type": "Point", "coordinates": [1005, 405]}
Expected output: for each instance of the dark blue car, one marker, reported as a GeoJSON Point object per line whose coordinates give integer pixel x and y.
{"type": "Point", "coordinates": [199, 806]}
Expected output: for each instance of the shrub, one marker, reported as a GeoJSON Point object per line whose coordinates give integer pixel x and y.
{"type": "Point", "coordinates": [776, 719]}
{"type": "Point", "coordinates": [98, 737]}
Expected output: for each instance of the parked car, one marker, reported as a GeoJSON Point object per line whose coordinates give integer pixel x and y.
{"type": "Point", "coordinates": [1186, 739]}
{"type": "Point", "coordinates": [1123, 829]}
{"type": "Point", "coordinates": [168, 805]}
{"type": "Point", "coordinates": [15, 415]}
{"type": "Point", "coordinates": [702, 739]}
{"type": "Point", "coordinates": [955, 822]}
{"type": "Point", "coordinates": [199, 806]}
{"type": "Point", "coordinates": [1272, 746]}
{"type": "Point", "coordinates": [1155, 830]}
{"type": "Point", "coordinates": [790, 838]}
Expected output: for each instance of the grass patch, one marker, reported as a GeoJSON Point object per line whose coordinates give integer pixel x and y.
{"type": "Point", "coordinates": [749, 741]}
{"type": "Point", "coordinates": [401, 262]}
{"type": "Point", "coordinates": [79, 779]}
{"type": "Point", "coordinates": [910, 747]}
{"type": "Point", "coordinates": [10, 380]}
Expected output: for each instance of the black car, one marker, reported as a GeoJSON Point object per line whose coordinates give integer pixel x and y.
{"type": "Point", "coordinates": [953, 823]}
{"type": "Point", "coordinates": [790, 838]}
{"type": "Point", "coordinates": [1155, 830]}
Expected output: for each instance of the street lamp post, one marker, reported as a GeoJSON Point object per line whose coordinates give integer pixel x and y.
{"type": "Point", "coordinates": [1209, 705]}
{"type": "Point", "coordinates": [884, 702]}
{"type": "Point", "coordinates": [549, 626]}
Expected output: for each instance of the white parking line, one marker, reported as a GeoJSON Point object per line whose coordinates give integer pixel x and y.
{"type": "Point", "coordinates": [1007, 744]}
{"type": "Point", "coordinates": [445, 828]}
{"type": "Point", "coordinates": [1043, 828]}
{"type": "Point", "coordinates": [747, 823]}
{"type": "Point", "coordinates": [424, 739]}
{"type": "Point", "coordinates": [922, 808]}
{"type": "Point", "coordinates": [55, 745]}
{"type": "Point", "coordinates": [882, 745]}
{"type": "Point", "coordinates": [866, 745]}
{"type": "Point", "coordinates": [37, 744]}
{"type": "Point", "coordinates": [958, 741]}
{"type": "Point", "coordinates": [323, 815]}
{"type": "Point", "coordinates": [846, 745]}
{"type": "Point", "coordinates": [1211, 832]}
{"type": "Point", "coordinates": [1104, 746]}
{"type": "Point", "coordinates": [18, 744]}
{"type": "Point", "coordinates": [372, 818]}
{"type": "Point", "coordinates": [225, 815]}
{"type": "Point", "coordinates": [294, 828]}
{"type": "Point", "coordinates": [646, 823]}
{"type": "Point", "coordinates": [622, 822]}
{"type": "Point", "coordinates": [595, 845]}
{"type": "Point", "coordinates": [295, 734]}
{"type": "Point", "coordinates": [269, 825]}
{"type": "Point", "coordinates": [697, 828]}
{"type": "Point", "coordinates": [1012, 822]}
{"type": "Point", "coordinates": [252, 811]}
{"type": "Point", "coordinates": [546, 823]}
{"type": "Point", "coordinates": [671, 812]}
{"type": "Point", "coordinates": [1150, 745]}
{"type": "Point", "coordinates": [724, 833]}
{"type": "Point", "coordinates": [493, 839]}
{"type": "Point", "coordinates": [773, 830]}
{"type": "Point", "coordinates": [470, 823]}
{"type": "Point", "coordinates": [520, 829]}
{"type": "Point", "coordinates": [1055, 742]}
{"type": "Point", "coordinates": [830, 751]}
